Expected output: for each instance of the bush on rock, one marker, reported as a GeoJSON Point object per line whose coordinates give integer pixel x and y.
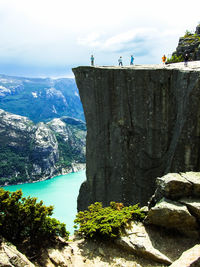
{"type": "Point", "coordinates": [106, 222]}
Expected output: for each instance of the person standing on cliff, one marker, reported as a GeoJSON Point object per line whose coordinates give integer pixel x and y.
{"type": "Point", "coordinates": [132, 59]}
{"type": "Point", "coordinates": [186, 58]}
{"type": "Point", "coordinates": [164, 59]}
{"type": "Point", "coordinates": [120, 61]}
{"type": "Point", "coordinates": [92, 60]}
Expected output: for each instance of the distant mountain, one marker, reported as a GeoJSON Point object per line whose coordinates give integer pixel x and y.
{"type": "Point", "coordinates": [31, 152]}
{"type": "Point", "coordinates": [40, 99]}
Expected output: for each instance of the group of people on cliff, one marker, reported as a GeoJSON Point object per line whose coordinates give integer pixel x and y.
{"type": "Point", "coordinates": [119, 60]}
{"type": "Point", "coordinates": [164, 58]}
{"type": "Point", "coordinates": [186, 58]}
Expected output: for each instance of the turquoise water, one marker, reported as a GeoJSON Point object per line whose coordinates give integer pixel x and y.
{"type": "Point", "coordinates": [61, 192]}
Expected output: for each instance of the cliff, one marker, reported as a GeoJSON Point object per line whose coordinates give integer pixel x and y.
{"type": "Point", "coordinates": [31, 152]}
{"type": "Point", "coordinates": [142, 122]}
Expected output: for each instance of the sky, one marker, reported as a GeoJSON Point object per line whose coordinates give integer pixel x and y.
{"type": "Point", "coordinates": [46, 38]}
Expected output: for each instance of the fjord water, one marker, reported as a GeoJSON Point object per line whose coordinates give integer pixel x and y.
{"type": "Point", "coordinates": [61, 192]}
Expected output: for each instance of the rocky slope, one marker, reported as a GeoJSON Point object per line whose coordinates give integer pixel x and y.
{"type": "Point", "coordinates": [30, 152]}
{"type": "Point", "coordinates": [147, 244]}
{"type": "Point", "coordinates": [189, 44]}
{"type": "Point", "coordinates": [142, 122]}
{"type": "Point", "coordinates": [40, 99]}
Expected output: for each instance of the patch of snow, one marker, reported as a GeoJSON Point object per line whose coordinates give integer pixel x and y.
{"type": "Point", "coordinates": [34, 94]}
{"type": "Point", "coordinates": [54, 110]}
{"type": "Point", "coordinates": [4, 90]}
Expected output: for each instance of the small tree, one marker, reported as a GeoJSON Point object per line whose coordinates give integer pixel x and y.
{"type": "Point", "coordinates": [187, 34]}
{"type": "Point", "coordinates": [24, 219]}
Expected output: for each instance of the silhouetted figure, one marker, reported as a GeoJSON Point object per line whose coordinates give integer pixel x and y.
{"type": "Point", "coordinates": [132, 59]}
{"type": "Point", "coordinates": [120, 61]}
{"type": "Point", "coordinates": [164, 59]}
{"type": "Point", "coordinates": [92, 60]}
{"type": "Point", "coordinates": [186, 58]}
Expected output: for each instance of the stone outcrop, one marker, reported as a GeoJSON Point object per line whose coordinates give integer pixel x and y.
{"type": "Point", "coordinates": [137, 240]}
{"type": "Point", "coordinates": [190, 258]}
{"type": "Point", "coordinates": [176, 203]}
{"type": "Point", "coordinates": [173, 215]}
{"type": "Point", "coordinates": [189, 44]}
{"type": "Point", "coordinates": [11, 257]}
{"type": "Point", "coordinates": [30, 152]}
{"type": "Point", "coordinates": [142, 122]}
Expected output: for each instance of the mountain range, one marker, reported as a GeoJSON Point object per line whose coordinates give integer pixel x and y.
{"type": "Point", "coordinates": [31, 152]}
{"type": "Point", "coordinates": [40, 99]}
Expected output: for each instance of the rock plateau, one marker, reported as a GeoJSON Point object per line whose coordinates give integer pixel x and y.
{"type": "Point", "coordinates": [142, 122]}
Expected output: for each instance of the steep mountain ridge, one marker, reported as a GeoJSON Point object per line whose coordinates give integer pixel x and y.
{"type": "Point", "coordinates": [30, 152]}
{"type": "Point", "coordinates": [40, 99]}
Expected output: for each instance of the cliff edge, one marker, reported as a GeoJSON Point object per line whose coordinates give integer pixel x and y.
{"type": "Point", "coordinates": [142, 122]}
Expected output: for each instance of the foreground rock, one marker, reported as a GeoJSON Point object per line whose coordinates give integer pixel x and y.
{"type": "Point", "coordinates": [142, 122]}
{"type": "Point", "coordinates": [190, 258]}
{"type": "Point", "coordinates": [171, 229]}
{"type": "Point", "coordinates": [173, 215]}
{"type": "Point", "coordinates": [176, 203]}
{"type": "Point", "coordinates": [137, 240]}
{"type": "Point", "coordinates": [144, 247]}
{"type": "Point", "coordinates": [11, 257]}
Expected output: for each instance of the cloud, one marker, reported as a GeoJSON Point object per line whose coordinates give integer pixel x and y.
{"type": "Point", "coordinates": [65, 33]}
{"type": "Point", "coordinates": [138, 40]}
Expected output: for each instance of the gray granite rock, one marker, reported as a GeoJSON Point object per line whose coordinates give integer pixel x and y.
{"type": "Point", "coordinates": [137, 240]}
{"type": "Point", "coordinates": [142, 123]}
{"type": "Point", "coordinates": [174, 186]}
{"type": "Point", "coordinates": [193, 206]}
{"type": "Point", "coordinates": [194, 179]}
{"type": "Point", "coordinates": [11, 257]}
{"type": "Point", "coordinates": [189, 258]}
{"type": "Point", "coordinates": [173, 215]}
{"type": "Point", "coordinates": [189, 44]}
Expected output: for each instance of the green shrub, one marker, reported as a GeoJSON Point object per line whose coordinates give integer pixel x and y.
{"type": "Point", "coordinates": [106, 222]}
{"type": "Point", "coordinates": [23, 219]}
{"type": "Point", "coordinates": [187, 34]}
{"type": "Point", "coordinates": [175, 59]}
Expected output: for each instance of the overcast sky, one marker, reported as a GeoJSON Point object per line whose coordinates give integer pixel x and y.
{"type": "Point", "coordinates": [48, 37]}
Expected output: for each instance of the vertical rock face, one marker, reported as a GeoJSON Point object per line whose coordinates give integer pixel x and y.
{"type": "Point", "coordinates": [142, 122]}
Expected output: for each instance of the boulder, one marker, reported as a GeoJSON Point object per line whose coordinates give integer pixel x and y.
{"type": "Point", "coordinates": [197, 31]}
{"type": "Point", "coordinates": [137, 240]}
{"type": "Point", "coordinates": [173, 215]}
{"type": "Point", "coordinates": [189, 258]}
{"type": "Point", "coordinates": [11, 257]}
{"type": "Point", "coordinates": [194, 179]}
{"type": "Point", "coordinates": [193, 206]}
{"type": "Point", "coordinates": [173, 186]}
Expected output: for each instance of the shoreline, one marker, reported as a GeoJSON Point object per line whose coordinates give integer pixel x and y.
{"type": "Point", "coordinates": [76, 167]}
